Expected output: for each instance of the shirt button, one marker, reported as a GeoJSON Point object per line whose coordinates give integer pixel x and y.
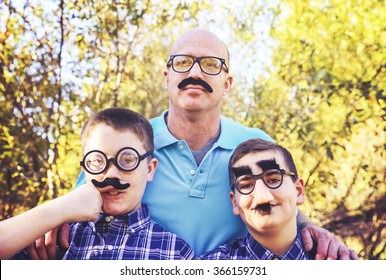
{"type": "Point", "coordinates": [110, 247]}
{"type": "Point", "coordinates": [192, 172]}
{"type": "Point", "coordinates": [108, 219]}
{"type": "Point", "coordinates": [181, 147]}
{"type": "Point", "coordinates": [276, 258]}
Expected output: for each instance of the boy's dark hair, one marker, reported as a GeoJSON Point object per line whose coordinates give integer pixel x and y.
{"type": "Point", "coordinates": [123, 119]}
{"type": "Point", "coordinates": [259, 145]}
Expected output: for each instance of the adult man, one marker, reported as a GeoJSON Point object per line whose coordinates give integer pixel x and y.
{"type": "Point", "coordinates": [193, 145]}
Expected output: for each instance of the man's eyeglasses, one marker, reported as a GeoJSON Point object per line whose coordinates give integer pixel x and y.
{"type": "Point", "coordinates": [127, 159]}
{"type": "Point", "coordinates": [210, 65]}
{"type": "Point", "coordinates": [272, 178]}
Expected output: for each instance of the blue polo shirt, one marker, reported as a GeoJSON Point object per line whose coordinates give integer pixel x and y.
{"type": "Point", "coordinates": [193, 202]}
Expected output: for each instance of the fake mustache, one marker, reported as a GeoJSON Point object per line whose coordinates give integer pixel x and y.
{"type": "Point", "coordinates": [191, 81]}
{"type": "Point", "coordinates": [110, 182]}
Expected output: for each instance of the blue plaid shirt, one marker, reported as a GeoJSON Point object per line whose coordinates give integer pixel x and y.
{"type": "Point", "coordinates": [132, 236]}
{"type": "Point", "coordinates": [247, 248]}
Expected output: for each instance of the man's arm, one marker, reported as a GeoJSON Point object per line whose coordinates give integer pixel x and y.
{"type": "Point", "coordinates": [45, 248]}
{"type": "Point", "coordinates": [329, 246]}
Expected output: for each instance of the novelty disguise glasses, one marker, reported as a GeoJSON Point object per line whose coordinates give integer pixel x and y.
{"type": "Point", "coordinates": [272, 178]}
{"type": "Point", "coordinates": [211, 65]}
{"type": "Point", "coordinates": [127, 159]}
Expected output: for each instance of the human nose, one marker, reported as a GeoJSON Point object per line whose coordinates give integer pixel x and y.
{"type": "Point", "coordinates": [195, 71]}
{"type": "Point", "coordinates": [261, 191]}
{"type": "Point", "coordinates": [111, 169]}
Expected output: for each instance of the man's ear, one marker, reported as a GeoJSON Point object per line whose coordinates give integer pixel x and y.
{"type": "Point", "coordinates": [151, 168]}
{"type": "Point", "coordinates": [235, 209]}
{"type": "Point", "coordinates": [300, 191]}
{"type": "Point", "coordinates": [228, 84]}
{"type": "Point", "coordinates": [166, 75]}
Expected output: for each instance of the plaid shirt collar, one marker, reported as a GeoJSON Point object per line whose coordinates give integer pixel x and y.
{"type": "Point", "coordinates": [257, 251]}
{"type": "Point", "coordinates": [135, 220]}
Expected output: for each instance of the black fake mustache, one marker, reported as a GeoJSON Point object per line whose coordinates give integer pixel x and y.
{"type": "Point", "coordinates": [110, 182]}
{"type": "Point", "coordinates": [265, 208]}
{"type": "Point", "coordinates": [191, 81]}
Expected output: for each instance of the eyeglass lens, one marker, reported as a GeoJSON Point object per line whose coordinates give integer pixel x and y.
{"type": "Point", "coordinates": [209, 65]}
{"type": "Point", "coordinates": [96, 162]}
{"type": "Point", "coordinates": [272, 178]}
{"type": "Point", "coordinates": [127, 159]}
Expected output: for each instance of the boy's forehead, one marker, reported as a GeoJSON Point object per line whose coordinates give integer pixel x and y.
{"type": "Point", "coordinates": [106, 138]}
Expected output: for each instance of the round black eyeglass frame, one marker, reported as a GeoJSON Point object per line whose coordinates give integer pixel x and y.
{"type": "Point", "coordinates": [198, 60]}
{"type": "Point", "coordinates": [282, 172]}
{"type": "Point", "coordinates": [114, 160]}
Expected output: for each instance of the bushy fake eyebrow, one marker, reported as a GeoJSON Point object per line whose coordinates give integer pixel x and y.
{"type": "Point", "coordinates": [267, 164]}
{"type": "Point", "coordinates": [241, 170]}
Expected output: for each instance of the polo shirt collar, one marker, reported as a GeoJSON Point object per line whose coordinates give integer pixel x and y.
{"type": "Point", "coordinates": [163, 137]}
{"type": "Point", "coordinates": [227, 138]}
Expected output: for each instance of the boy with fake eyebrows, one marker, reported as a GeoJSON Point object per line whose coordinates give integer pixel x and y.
{"type": "Point", "coordinates": [265, 193]}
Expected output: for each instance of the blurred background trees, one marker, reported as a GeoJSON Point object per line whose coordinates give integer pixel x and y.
{"type": "Point", "coordinates": [310, 73]}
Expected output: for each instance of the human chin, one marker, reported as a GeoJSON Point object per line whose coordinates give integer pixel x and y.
{"type": "Point", "coordinates": [262, 223]}
{"type": "Point", "coordinates": [120, 208]}
{"type": "Point", "coordinates": [112, 208]}
{"type": "Point", "coordinates": [114, 205]}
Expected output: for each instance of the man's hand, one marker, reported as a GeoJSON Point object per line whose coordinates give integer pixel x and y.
{"type": "Point", "coordinates": [328, 245]}
{"type": "Point", "coordinates": [45, 247]}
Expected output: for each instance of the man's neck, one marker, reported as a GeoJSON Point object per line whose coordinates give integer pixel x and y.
{"type": "Point", "coordinates": [276, 241]}
{"type": "Point", "coordinates": [195, 128]}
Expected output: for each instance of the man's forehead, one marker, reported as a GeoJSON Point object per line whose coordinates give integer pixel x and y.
{"type": "Point", "coordinates": [199, 43]}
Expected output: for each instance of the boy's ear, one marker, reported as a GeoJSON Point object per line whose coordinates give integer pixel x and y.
{"type": "Point", "coordinates": [151, 168]}
{"type": "Point", "coordinates": [300, 191]}
{"type": "Point", "coordinates": [235, 209]}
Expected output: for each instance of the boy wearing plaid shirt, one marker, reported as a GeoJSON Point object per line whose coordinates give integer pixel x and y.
{"type": "Point", "coordinates": [265, 193]}
{"type": "Point", "coordinates": [118, 147]}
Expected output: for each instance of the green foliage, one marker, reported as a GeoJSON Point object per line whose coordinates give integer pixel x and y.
{"type": "Point", "coordinates": [325, 100]}
{"type": "Point", "coordinates": [322, 93]}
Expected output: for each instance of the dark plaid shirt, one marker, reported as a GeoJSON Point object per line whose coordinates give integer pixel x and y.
{"type": "Point", "coordinates": [133, 236]}
{"type": "Point", "coordinates": [247, 248]}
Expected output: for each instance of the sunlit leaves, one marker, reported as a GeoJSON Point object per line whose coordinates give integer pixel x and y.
{"type": "Point", "coordinates": [330, 57]}
{"type": "Point", "coordinates": [62, 61]}
{"type": "Point", "coordinates": [322, 95]}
